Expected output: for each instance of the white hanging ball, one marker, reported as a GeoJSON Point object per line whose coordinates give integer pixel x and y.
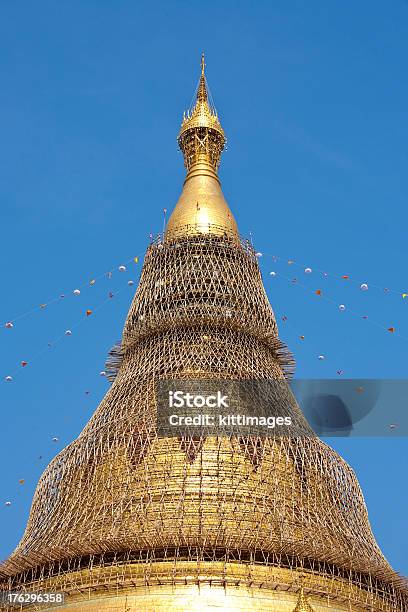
{"type": "Point", "coordinates": [77, 292]}
{"type": "Point", "coordinates": [9, 325]}
{"type": "Point", "coordinates": [364, 287]}
{"type": "Point", "coordinates": [321, 357]}
{"type": "Point", "coordinates": [130, 283]}
{"type": "Point", "coordinates": [122, 268]}
{"type": "Point", "coordinates": [259, 254]}
{"type": "Point", "coordinates": [9, 378]}
{"type": "Point", "coordinates": [55, 439]}
{"type": "Point", "coordinates": [308, 270]}
{"type": "Point", "coordinates": [342, 307]}
{"type": "Point", "coordinates": [272, 273]}
{"type": "Point", "coordinates": [68, 332]}
{"type": "Point", "coordinates": [103, 373]}
{"type": "Point", "coordinates": [7, 503]}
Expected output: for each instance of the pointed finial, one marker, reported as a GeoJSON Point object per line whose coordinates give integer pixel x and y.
{"type": "Point", "coordinates": [303, 605]}
{"type": "Point", "coordinates": [202, 95]}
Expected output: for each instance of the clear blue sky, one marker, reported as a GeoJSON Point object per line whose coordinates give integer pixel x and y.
{"type": "Point", "coordinates": [314, 99]}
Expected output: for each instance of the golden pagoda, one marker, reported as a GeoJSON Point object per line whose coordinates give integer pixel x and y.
{"type": "Point", "coordinates": [124, 519]}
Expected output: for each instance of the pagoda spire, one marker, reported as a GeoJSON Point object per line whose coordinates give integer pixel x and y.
{"type": "Point", "coordinates": [302, 603]}
{"type": "Point", "coordinates": [201, 137]}
{"type": "Point", "coordinates": [201, 208]}
{"type": "Point", "coordinates": [202, 93]}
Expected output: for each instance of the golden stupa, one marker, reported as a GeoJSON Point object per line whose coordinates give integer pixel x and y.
{"type": "Point", "coordinates": [125, 520]}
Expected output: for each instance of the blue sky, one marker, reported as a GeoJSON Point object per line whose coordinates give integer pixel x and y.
{"type": "Point", "coordinates": [313, 98]}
